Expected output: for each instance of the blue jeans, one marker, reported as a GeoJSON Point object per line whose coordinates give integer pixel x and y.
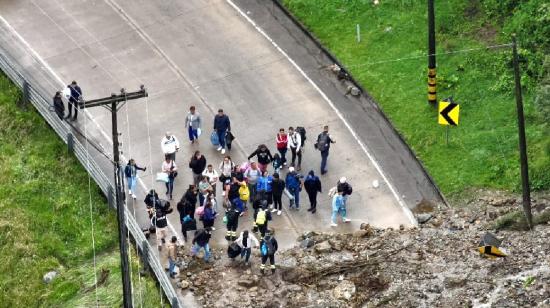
{"type": "Point", "coordinates": [196, 248]}
{"type": "Point", "coordinates": [324, 157]}
{"type": "Point", "coordinates": [296, 194]}
{"type": "Point", "coordinates": [170, 186]}
{"type": "Point", "coordinates": [245, 253]}
{"type": "Point", "coordinates": [132, 183]}
{"type": "Point", "coordinates": [342, 212]}
{"type": "Point", "coordinates": [171, 265]}
{"type": "Point", "coordinates": [221, 137]}
{"type": "Point", "coordinates": [193, 134]}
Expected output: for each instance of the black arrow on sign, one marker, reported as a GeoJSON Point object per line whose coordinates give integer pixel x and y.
{"type": "Point", "coordinates": [445, 113]}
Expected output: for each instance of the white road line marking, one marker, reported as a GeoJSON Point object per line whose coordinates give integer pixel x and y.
{"type": "Point", "coordinates": [406, 210]}
{"type": "Point", "coordinates": [62, 84]}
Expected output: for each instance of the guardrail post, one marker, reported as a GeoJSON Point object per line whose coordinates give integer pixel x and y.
{"type": "Point", "coordinates": [24, 99]}
{"type": "Point", "coordinates": [145, 254]}
{"type": "Point", "coordinates": [111, 196]}
{"type": "Point", "coordinates": [70, 142]}
{"type": "Point", "coordinates": [174, 302]}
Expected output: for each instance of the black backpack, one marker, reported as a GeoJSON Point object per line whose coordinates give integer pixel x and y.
{"type": "Point", "coordinates": [302, 131]}
{"type": "Point", "coordinates": [322, 142]}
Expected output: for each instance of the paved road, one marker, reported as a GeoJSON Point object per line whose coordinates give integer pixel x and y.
{"type": "Point", "coordinates": [204, 53]}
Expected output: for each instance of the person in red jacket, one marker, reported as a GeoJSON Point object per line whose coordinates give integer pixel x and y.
{"type": "Point", "coordinates": [282, 144]}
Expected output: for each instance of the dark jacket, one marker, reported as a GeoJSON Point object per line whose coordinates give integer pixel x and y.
{"type": "Point", "coordinates": [273, 242]}
{"type": "Point", "coordinates": [197, 165]}
{"type": "Point", "coordinates": [345, 188]}
{"type": "Point", "coordinates": [209, 214]}
{"type": "Point", "coordinates": [232, 216]}
{"type": "Point", "coordinates": [159, 221]}
{"type": "Point", "coordinates": [312, 184]}
{"type": "Point", "coordinates": [202, 237]}
{"type": "Point", "coordinates": [151, 199]}
{"type": "Point", "coordinates": [222, 123]}
{"type": "Point", "coordinates": [264, 156]}
{"type": "Point", "coordinates": [58, 105]}
{"type": "Point", "coordinates": [186, 208]}
{"type": "Point", "coordinates": [76, 93]}
{"type": "Point", "coordinates": [128, 170]}
{"type": "Point", "coordinates": [190, 197]}
{"type": "Point", "coordinates": [329, 141]}
{"type": "Point", "coordinates": [277, 187]}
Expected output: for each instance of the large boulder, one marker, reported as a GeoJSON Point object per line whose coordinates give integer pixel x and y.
{"type": "Point", "coordinates": [323, 247]}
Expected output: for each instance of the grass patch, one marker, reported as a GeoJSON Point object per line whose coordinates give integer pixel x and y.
{"type": "Point", "coordinates": [483, 150]}
{"type": "Point", "coordinates": [516, 220]}
{"type": "Point", "coordinates": [45, 219]}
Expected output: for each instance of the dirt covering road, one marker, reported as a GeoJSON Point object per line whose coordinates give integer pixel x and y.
{"type": "Point", "coordinates": [435, 265]}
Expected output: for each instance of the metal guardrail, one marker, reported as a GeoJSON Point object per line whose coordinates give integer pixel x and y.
{"type": "Point", "coordinates": [42, 104]}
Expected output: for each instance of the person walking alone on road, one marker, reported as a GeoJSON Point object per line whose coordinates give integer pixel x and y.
{"type": "Point", "coordinates": [221, 126]}
{"type": "Point", "coordinates": [268, 248]}
{"type": "Point", "coordinates": [246, 241]}
{"type": "Point", "coordinates": [295, 146]}
{"type": "Point", "coordinates": [169, 167]}
{"type": "Point", "coordinates": [131, 176]}
{"type": "Point", "coordinates": [172, 255]}
{"type": "Point", "coordinates": [197, 163]}
{"type": "Point", "coordinates": [193, 124]}
{"type": "Point", "coordinates": [74, 97]}
{"type": "Point", "coordinates": [282, 144]}
{"type": "Point", "coordinates": [277, 188]}
{"type": "Point", "coordinates": [312, 184]}
{"type": "Point", "coordinates": [170, 145]}
{"type": "Point", "coordinates": [294, 186]}
{"type": "Point", "coordinates": [323, 145]}
{"type": "Point", "coordinates": [264, 157]}
{"type": "Point", "coordinates": [58, 105]}
{"type": "Point", "coordinates": [201, 239]}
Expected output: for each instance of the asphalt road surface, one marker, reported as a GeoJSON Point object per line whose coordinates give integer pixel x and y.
{"type": "Point", "coordinates": [207, 53]}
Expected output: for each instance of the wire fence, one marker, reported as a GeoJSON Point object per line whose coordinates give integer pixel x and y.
{"type": "Point", "coordinates": [38, 97]}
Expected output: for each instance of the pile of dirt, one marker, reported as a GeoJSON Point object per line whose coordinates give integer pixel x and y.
{"type": "Point", "coordinates": [436, 264]}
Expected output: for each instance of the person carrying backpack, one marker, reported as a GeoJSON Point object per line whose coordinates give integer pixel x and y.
{"type": "Point", "coordinates": [312, 184]}
{"type": "Point", "coordinates": [268, 248]}
{"type": "Point", "coordinates": [246, 241]}
{"type": "Point", "coordinates": [295, 146]}
{"type": "Point", "coordinates": [323, 145]}
{"type": "Point", "coordinates": [201, 239]}
{"type": "Point", "coordinates": [294, 186]}
{"type": "Point", "coordinates": [232, 216]}
{"type": "Point", "coordinates": [344, 187]}
{"type": "Point", "coordinates": [160, 223]}
{"type": "Point", "coordinates": [151, 201]}
{"type": "Point", "coordinates": [277, 187]}
{"type": "Point", "coordinates": [261, 218]}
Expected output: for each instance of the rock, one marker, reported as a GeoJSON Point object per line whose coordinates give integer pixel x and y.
{"type": "Point", "coordinates": [336, 245]}
{"type": "Point", "coordinates": [253, 289]}
{"type": "Point", "coordinates": [189, 274]}
{"type": "Point", "coordinates": [423, 218]}
{"type": "Point", "coordinates": [360, 233]}
{"type": "Point", "coordinates": [49, 276]}
{"type": "Point", "coordinates": [184, 284]}
{"type": "Point", "coordinates": [323, 247]}
{"type": "Point", "coordinates": [307, 243]}
{"type": "Point", "coordinates": [344, 290]}
{"type": "Point", "coordinates": [375, 184]}
{"type": "Point", "coordinates": [248, 283]}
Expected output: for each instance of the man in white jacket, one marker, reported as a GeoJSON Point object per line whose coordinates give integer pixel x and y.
{"type": "Point", "coordinates": [246, 241]}
{"type": "Point", "coordinates": [170, 145]}
{"type": "Point", "coordinates": [295, 146]}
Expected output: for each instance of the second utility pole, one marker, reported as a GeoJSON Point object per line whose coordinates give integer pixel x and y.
{"type": "Point", "coordinates": [432, 98]}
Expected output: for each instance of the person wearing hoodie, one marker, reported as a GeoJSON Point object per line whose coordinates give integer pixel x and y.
{"type": "Point", "coordinates": [193, 124]}
{"type": "Point", "coordinates": [130, 171]}
{"type": "Point", "coordinates": [187, 212]}
{"type": "Point", "coordinates": [247, 241]}
{"type": "Point", "coordinates": [277, 188]}
{"type": "Point", "coordinates": [312, 184]}
{"type": "Point", "coordinates": [268, 248]}
{"type": "Point", "coordinates": [264, 186]}
{"type": "Point", "coordinates": [222, 125]}
{"type": "Point", "coordinates": [58, 105]}
{"type": "Point", "coordinates": [264, 157]}
{"type": "Point", "coordinates": [200, 240]}
{"type": "Point", "coordinates": [197, 163]}
{"type": "Point", "coordinates": [294, 186]}
{"type": "Point", "coordinates": [261, 218]}
{"type": "Point", "coordinates": [170, 145]}
{"type": "Point", "coordinates": [338, 207]}
{"type": "Point", "coordinates": [282, 144]}
{"type": "Point", "coordinates": [209, 216]}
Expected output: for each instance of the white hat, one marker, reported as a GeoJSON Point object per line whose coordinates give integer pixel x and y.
{"type": "Point", "coordinates": [290, 169]}
{"type": "Point", "coordinates": [343, 179]}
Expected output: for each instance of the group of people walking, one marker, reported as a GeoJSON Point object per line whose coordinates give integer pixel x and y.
{"type": "Point", "coordinates": [252, 190]}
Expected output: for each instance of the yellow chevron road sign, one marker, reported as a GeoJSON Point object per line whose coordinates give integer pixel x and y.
{"type": "Point", "coordinates": [448, 113]}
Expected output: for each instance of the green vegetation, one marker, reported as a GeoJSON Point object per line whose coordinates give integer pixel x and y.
{"type": "Point", "coordinates": [45, 220]}
{"type": "Point", "coordinates": [483, 150]}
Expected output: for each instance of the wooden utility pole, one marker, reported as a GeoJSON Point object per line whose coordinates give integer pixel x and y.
{"type": "Point", "coordinates": [522, 142]}
{"type": "Point", "coordinates": [432, 97]}
{"type": "Point", "coordinates": [113, 103]}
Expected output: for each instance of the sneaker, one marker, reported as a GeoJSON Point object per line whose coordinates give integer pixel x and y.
{"type": "Point", "coordinates": [129, 191]}
{"type": "Point", "coordinates": [219, 149]}
{"type": "Point", "coordinates": [279, 213]}
{"type": "Point", "coordinates": [212, 228]}
{"type": "Point", "coordinates": [310, 209]}
{"type": "Point", "coordinates": [134, 196]}
{"type": "Point", "coordinates": [333, 225]}
{"type": "Point", "coordinates": [347, 220]}
{"type": "Point", "coordinates": [223, 151]}
{"type": "Point", "coordinates": [273, 210]}
{"type": "Point", "coordinates": [313, 211]}
{"type": "Point", "coordinates": [241, 214]}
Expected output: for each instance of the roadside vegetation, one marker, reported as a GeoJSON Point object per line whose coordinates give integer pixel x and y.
{"type": "Point", "coordinates": [390, 63]}
{"type": "Point", "coordinates": [46, 214]}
